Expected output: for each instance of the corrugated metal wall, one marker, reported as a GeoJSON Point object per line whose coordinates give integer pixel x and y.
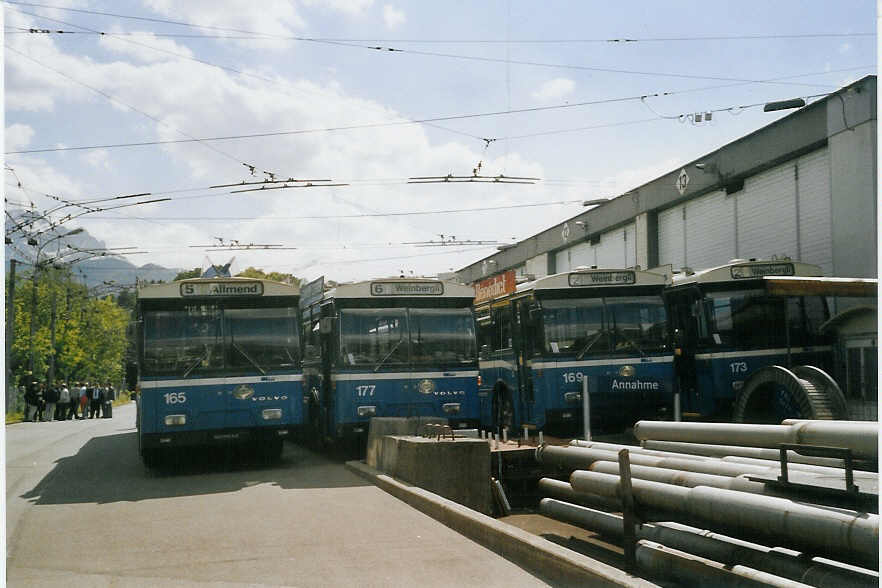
{"type": "Point", "coordinates": [617, 248]}
{"type": "Point", "coordinates": [781, 211]}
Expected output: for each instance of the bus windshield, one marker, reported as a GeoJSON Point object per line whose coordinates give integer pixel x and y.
{"type": "Point", "coordinates": [373, 336]}
{"type": "Point", "coordinates": [262, 338]}
{"type": "Point", "coordinates": [382, 337]}
{"type": "Point", "coordinates": [442, 336]}
{"type": "Point", "coordinates": [633, 325]}
{"type": "Point", "coordinates": [204, 338]}
{"type": "Point", "coordinates": [751, 319]}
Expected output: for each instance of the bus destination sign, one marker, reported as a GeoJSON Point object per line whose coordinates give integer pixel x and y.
{"type": "Point", "coordinates": [602, 278]}
{"type": "Point", "coordinates": [220, 289]}
{"type": "Point", "coordinates": [495, 286]}
{"type": "Point", "coordinates": [407, 288]}
{"type": "Point", "coordinates": [758, 270]}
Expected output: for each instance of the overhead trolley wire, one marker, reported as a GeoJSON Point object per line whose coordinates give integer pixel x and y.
{"type": "Point", "coordinates": [217, 65]}
{"type": "Point", "coordinates": [258, 35]}
{"type": "Point", "coordinates": [421, 121]}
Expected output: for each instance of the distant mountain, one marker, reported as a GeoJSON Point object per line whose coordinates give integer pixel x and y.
{"type": "Point", "coordinates": [92, 272]}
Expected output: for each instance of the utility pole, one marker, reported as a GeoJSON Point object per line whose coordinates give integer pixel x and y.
{"type": "Point", "coordinates": [52, 341]}
{"type": "Point", "coordinates": [11, 392]}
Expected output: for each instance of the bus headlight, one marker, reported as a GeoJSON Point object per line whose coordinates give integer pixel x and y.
{"type": "Point", "coordinates": [270, 414]}
{"type": "Point", "coordinates": [572, 396]}
{"type": "Point", "coordinates": [451, 407]}
{"type": "Point", "coordinates": [175, 419]}
{"type": "Point", "coordinates": [366, 411]}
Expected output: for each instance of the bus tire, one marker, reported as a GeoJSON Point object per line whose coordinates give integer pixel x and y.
{"type": "Point", "coordinates": [503, 407]}
{"type": "Point", "coordinates": [773, 393]}
{"type": "Point", "coordinates": [151, 458]}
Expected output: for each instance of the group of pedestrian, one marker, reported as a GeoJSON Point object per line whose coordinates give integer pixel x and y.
{"type": "Point", "coordinates": [58, 402]}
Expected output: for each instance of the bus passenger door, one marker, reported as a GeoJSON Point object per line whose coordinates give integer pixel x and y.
{"type": "Point", "coordinates": [525, 346]}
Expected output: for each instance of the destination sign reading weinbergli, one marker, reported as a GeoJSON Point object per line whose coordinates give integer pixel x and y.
{"type": "Point", "coordinates": [601, 278]}
{"type": "Point", "coordinates": [407, 288]}
{"type": "Point", "coordinates": [222, 289]}
{"type": "Point", "coordinates": [740, 272]}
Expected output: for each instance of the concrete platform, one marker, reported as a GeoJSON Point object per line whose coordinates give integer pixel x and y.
{"type": "Point", "coordinates": [555, 564]}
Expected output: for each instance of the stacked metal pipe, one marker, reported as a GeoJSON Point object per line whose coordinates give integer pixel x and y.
{"type": "Point", "coordinates": [710, 488]}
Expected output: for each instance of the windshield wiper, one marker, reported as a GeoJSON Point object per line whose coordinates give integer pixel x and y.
{"type": "Point", "coordinates": [199, 360]}
{"type": "Point", "coordinates": [630, 341]}
{"type": "Point", "coordinates": [388, 355]}
{"type": "Point", "coordinates": [590, 344]}
{"type": "Point", "coordinates": [245, 355]}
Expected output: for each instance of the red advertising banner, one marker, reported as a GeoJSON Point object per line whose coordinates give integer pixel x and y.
{"type": "Point", "coordinates": [495, 287]}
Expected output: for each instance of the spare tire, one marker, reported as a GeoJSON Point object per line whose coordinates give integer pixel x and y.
{"type": "Point", "coordinates": [773, 393]}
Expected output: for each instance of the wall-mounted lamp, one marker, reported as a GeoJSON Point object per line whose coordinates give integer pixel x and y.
{"type": "Point", "coordinates": [784, 105]}
{"type": "Point", "coordinates": [583, 225]}
{"type": "Point", "coordinates": [595, 201]}
{"type": "Point", "coordinates": [504, 247]}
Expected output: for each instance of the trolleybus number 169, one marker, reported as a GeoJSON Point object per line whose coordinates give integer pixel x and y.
{"type": "Point", "coordinates": [367, 390]}
{"type": "Point", "coordinates": [175, 398]}
{"type": "Point", "coordinates": [571, 377]}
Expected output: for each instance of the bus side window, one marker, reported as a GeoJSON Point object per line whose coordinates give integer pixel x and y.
{"type": "Point", "coordinates": [503, 318]}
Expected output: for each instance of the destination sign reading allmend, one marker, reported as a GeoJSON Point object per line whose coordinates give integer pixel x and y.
{"type": "Point", "coordinates": [219, 289]}
{"type": "Point", "coordinates": [741, 272]}
{"type": "Point", "coordinates": [602, 278]}
{"type": "Point", "coordinates": [407, 288]}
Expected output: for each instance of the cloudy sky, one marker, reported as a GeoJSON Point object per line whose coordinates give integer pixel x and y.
{"type": "Point", "coordinates": [134, 96]}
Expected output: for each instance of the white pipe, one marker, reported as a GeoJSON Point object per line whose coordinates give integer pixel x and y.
{"type": "Point", "coordinates": [720, 548]}
{"type": "Point", "coordinates": [862, 438]}
{"type": "Point", "coordinates": [845, 535]}
{"type": "Point", "coordinates": [686, 568]}
{"type": "Point", "coordinates": [706, 450]}
{"type": "Point", "coordinates": [576, 458]}
{"type": "Point", "coordinates": [633, 449]}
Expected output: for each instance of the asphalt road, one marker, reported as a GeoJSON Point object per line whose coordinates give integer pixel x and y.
{"type": "Point", "coordinates": [83, 511]}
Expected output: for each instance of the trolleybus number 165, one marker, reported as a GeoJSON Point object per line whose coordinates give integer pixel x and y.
{"type": "Point", "coordinates": [175, 398]}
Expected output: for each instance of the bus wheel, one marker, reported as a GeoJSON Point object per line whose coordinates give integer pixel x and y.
{"type": "Point", "coordinates": [151, 458]}
{"type": "Point", "coordinates": [773, 393]}
{"type": "Point", "coordinates": [271, 450]}
{"type": "Point", "coordinates": [503, 407]}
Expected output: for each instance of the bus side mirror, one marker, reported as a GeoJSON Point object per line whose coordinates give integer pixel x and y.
{"type": "Point", "coordinates": [326, 325]}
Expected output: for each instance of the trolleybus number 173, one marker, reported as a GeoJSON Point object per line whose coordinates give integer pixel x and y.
{"type": "Point", "coordinates": [738, 367]}
{"type": "Point", "coordinates": [367, 390]}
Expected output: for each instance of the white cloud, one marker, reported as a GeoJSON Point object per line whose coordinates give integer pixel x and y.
{"type": "Point", "coordinates": [349, 8]}
{"type": "Point", "coordinates": [145, 47]}
{"type": "Point", "coordinates": [18, 136]}
{"type": "Point", "coordinates": [393, 17]}
{"type": "Point", "coordinates": [98, 158]}
{"type": "Point", "coordinates": [555, 89]}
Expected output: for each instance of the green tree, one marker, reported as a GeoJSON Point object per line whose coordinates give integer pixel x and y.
{"type": "Point", "coordinates": [186, 274]}
{"type": "Point", "coordinates": [252, 272]}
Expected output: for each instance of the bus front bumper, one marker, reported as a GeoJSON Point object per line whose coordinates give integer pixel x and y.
{"type": "Point", "coordinates": [215, 437]}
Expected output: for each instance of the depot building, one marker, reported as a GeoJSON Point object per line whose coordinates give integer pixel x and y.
{"type": "Point", "coordinates": [803, 187]}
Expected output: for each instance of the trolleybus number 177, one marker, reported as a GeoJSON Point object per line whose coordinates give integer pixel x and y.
{"type": "Point", "coordinates": [367, 390]}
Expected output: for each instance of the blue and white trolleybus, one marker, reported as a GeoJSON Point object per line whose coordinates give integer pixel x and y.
{"type": "Point", "coordinates": [219, 362]}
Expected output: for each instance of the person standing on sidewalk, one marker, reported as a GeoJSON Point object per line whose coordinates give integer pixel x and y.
{"type": "Point", "coordinates": [30, 401]}
{"type": "Point", "coordinates": [107, 407]}
{"type": "Point", "coordinates": [63, 402]}
{"type": "Point", "coordinates": [84, 400]}
{"type": "Point", "coordinates": [95, 401]}
{"type": "Point", "coordinates": [51, 401]}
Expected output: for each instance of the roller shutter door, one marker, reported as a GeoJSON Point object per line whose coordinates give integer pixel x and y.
{"type": "Point", "coordinates": [671, 237]}
{"type": "Point", "coordinates": [767, 214]}
{"type": "Point", "coordinates": [710, 230]}
{"type": "Point", "coordinates": [617, 248]}
{"type": "Point", "coordinates": [815, 230]}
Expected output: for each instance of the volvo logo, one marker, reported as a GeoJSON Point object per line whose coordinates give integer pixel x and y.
{"type": "Point", "coordinates": [243, 392]}
{"type": "Point", "coordinates": [426, 386]}
{"type": "Point", "coordinates": [627, 371]}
